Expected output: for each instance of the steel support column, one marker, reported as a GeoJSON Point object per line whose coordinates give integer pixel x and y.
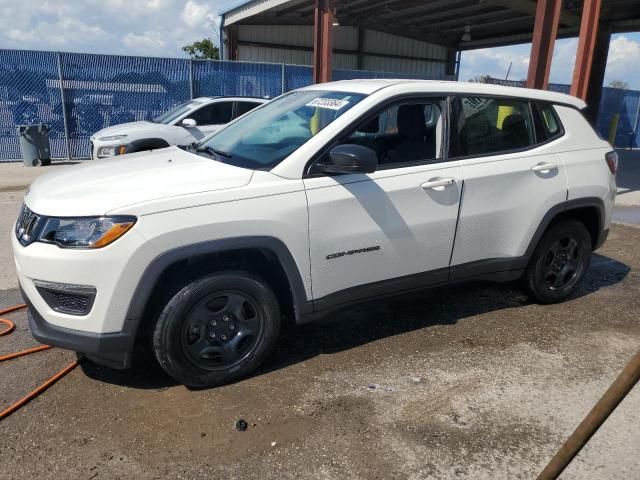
{"type": "Point", "coordinates": [232, 39]}
{"type": "Point", "coordinates": [359, 56]}
{"type": "Point", "coordinates": [596, 79]}
{"type": "Point", "coordinates": [322, 40]}
{"type": "Point", "coordinates": [586, 48]}
{"type": "Point", "coordinates": [451, 66]}
{"type": "Point", "coordinates": [545, 31]}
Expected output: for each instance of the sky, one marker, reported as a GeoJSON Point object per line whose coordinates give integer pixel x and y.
{"type": "Point", "coordinates": [162, 27]}
{"type": "Point", "coordinates": [623, 62]}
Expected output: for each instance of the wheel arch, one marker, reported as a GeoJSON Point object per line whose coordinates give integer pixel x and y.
{"type": "Point", "coordinates": [143, 144]}
{"type": "Point", "coordinates": [590, 211]}
{"type": "Point", "coordinates": [267, 257]}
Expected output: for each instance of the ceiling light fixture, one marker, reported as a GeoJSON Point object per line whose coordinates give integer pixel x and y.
{"type": "Point", "coordinates": [467, 33]}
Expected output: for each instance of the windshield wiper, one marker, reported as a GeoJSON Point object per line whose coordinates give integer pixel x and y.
{"type": "Point", "coordinates": [212, 150]}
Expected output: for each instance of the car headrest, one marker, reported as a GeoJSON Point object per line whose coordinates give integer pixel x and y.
{"type": "Point", "coordinates": [514, 129]}
{"type": "Point", "coordinates": [371, 126]}
{"type": "Point", "coordinates": [514, 122]}
{"type": "Point", "coordinates": [411, 123]}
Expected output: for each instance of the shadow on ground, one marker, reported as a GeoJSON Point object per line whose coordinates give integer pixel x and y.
{"type": "Point", "coordinates": [374, 320]}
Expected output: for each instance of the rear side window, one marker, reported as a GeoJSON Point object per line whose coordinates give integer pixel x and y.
{"type": "Point", "coordinates": [244, 107]}
{"type": "Point", "coordinates": [486, 125]}
{"type": "Point", "coordinates": [213, 114]}
{"type": "Point", "coordinates": [548, 124]}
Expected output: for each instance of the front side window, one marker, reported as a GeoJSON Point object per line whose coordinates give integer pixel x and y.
{"type": "Point", "coordinates": [266, 136]}
{"type": "Point", "coordinates": [485, 125]}
{"type": "Point", "coordinates": [408, 131]}
{"type": "Point", "coordinates": [176, 112]}
{"type": "Point", "coordinates": [214, 114]}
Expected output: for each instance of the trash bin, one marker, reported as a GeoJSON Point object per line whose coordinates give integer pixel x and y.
{"type": "Point", "coordinates": [34, 144]}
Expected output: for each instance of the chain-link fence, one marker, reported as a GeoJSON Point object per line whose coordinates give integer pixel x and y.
{"type": "Point", "coordinates": [79, 94]}
{"type": "Point", "coordinates": [614, 101]}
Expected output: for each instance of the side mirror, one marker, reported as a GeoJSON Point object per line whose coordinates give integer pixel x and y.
{"type": "Point", "coordinates": [188, 123]}
{"type": "Point", "coordinates": [350, 158]}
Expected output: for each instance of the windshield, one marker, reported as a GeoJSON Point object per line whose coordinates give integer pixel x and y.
{"type": "Point", "coordinates": [267, 135]}
{"type": "Point", "coordinates": [176, 112]}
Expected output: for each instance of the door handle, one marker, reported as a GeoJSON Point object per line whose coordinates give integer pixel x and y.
{"type": "Point", "coordinates": [439, 184]}
{"type": "Point", "coordinates": [544, 167]}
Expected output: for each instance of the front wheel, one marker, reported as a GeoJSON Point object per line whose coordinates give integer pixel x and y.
{"type": "Point", "coordinates": [217, 329]}
{"type": "Point", "coordinates": [559, 263]}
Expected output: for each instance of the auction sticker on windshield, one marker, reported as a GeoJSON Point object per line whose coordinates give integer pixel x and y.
{"type": "Point", "coordinates": [331, 103]}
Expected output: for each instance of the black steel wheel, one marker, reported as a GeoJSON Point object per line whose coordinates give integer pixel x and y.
{"type": "Point", "coordinates": [222, 329]}
{"type": "Point", "coordinates": [559, 263]}
{"type": "Point", "coordinates": [217, 329]}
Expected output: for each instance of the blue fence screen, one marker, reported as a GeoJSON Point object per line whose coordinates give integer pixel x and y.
{"type": "Point", "coordinates": [79, 94]}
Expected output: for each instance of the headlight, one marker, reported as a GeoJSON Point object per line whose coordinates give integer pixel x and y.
{"type": "Point", "coordinates": [111, 138]}
{"type": "Point", "coordinates": [85, 232]}
{"type": "Point", "coordinates": [111, 151]}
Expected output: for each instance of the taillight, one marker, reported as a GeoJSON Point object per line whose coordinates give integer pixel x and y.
{"type": "Point", "coordinates": [612, 161]}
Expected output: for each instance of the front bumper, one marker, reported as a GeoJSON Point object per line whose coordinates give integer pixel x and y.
{"type": "Point", "coordinates": [110, 349]}
{"type": "Point", "coordinates": [105, 333]}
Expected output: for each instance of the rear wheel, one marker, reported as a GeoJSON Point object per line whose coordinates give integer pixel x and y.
{"type": "Point", "coordinates": [217, 329]}
{"type": "Point", "coordinates": [559, 263]}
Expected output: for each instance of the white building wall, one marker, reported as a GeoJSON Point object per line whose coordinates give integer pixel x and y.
{"type": "Point", "coordinates": [268, 43]}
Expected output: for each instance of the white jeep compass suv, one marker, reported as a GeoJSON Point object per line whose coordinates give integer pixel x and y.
{"type": "Point", "coordinates": [325, 196]}
{"type": "Point", "coordinates": [187, 123]}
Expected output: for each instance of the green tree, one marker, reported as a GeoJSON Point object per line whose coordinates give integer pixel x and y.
{"type": "Point", "coordinates": [202, 50]}
{"type": "Point", "coordinates": [481, 79]}
{"type": "Point", "coordinates": [619, 84]}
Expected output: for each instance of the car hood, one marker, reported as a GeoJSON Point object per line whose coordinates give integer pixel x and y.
{"type": "Point", "coordinates": [123, 129]}
{"type": "Point", "coordinates": [100, 186]}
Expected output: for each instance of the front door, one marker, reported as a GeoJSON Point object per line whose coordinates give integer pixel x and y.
{"type": "Point", "coordinates": [373, 232]}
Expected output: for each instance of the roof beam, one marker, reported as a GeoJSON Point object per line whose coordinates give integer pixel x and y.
{"type": "Point", "coordinates": [624, 26]}
{"type": "Point", "coordinates": [422, 7]}
{"type": "Point", "coordinates": [250, 9]}
{"type": "Point", "coordinates": [505, 38]}
{"type": "Point", "coordinates": [294, 7]}
{"type": "Point", "coordinates": [529, 7]}
{"type": "Point", "coordinates": [479, 21]}
{"type": "Point", "coordinates": [351, 4]}
{"type": "Point", "coordinates": [416, 34]}
{"type": "Point", "coordinates": [457, 13]}
{"type": "Point", "coordinates": [491, 25]}
{"type": "Point", "coordinates": [370, 5]}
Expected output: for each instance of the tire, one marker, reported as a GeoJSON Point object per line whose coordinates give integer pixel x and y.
{"type": "Point", "coordinates": [217, 329]}
{"type": "Point", "coordinates": [559, 263]}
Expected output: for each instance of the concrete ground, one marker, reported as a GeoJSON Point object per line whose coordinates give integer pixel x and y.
{"type": "Point", "coordinates": [470, 382]}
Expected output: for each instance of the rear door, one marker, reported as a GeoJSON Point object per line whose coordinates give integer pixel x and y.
{"type": "Point", "coordinates": [512, 178]}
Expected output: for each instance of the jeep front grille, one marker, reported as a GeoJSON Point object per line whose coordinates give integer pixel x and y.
{"type": "Point", "coordinates": [27, 225]}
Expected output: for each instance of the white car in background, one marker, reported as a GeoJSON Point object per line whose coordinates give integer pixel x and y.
{"type": "Point", "coordinates": [188, 122]}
